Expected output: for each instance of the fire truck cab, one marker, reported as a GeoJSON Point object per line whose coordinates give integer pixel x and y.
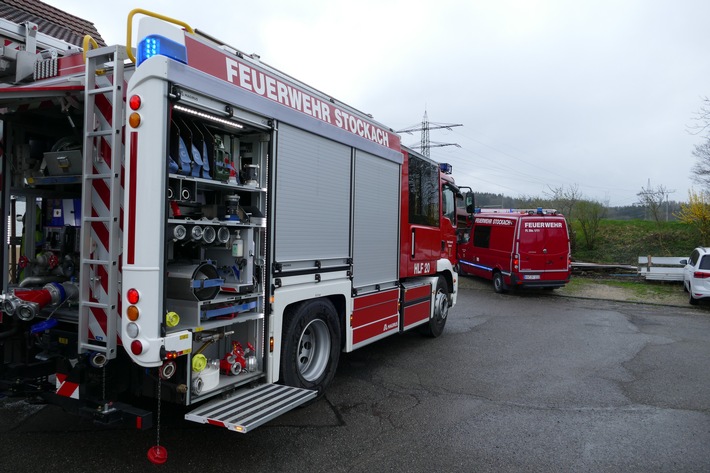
{"type": "Point", "coordinates": [208, 230]}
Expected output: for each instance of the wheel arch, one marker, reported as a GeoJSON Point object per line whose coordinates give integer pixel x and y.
{"type": "Point", "coordinates": [444, 269]}
{"type": "Point", "coordinates": [288, 298]}
{"type": "Point", "coordinates": [339, 303]}
{"type": "Point", "coordinates": [449, 278]}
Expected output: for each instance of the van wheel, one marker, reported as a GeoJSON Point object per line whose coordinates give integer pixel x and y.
{"type": "Point", "coordinates": [311, 346]}
{"type": "Point", "coordinates": [498, 283]}
{"type": "Point", "coordinates": [436, 324]}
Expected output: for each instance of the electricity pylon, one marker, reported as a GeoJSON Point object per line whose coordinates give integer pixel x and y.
{"type": "Point", "coordinates": [424, 128]}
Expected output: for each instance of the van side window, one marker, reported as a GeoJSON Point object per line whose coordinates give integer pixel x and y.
{"type": "Point", "coordinates": [481, 237]}
{"type": "Point", "coordinates": [423, 192]}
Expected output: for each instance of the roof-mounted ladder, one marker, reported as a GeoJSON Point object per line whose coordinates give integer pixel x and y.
{"type": "Point", "coordinates": [101, 202]}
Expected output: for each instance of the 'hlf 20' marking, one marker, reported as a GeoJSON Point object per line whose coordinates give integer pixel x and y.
{"type": "Point", "coordinates": [422, 268]}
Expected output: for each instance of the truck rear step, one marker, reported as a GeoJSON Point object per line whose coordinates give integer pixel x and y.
{"type": "Point", "coordinates": [247, 409]}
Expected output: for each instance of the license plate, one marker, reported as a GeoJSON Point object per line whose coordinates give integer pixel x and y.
{"type": "Point", "coordinates": [531, 276]}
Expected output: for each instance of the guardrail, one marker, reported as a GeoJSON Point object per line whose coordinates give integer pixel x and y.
{"type": "Point", "coordinates": [661, 268]}
{"type": "Point", "coordinates": [582, 266]}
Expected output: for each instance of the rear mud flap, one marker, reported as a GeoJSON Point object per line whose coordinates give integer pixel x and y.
{"type": "Point", "coordinates": [247, 409]}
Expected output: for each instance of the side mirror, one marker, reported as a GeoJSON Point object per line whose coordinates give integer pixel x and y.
{"type": "Point", "coordinates": [470, 202]}
{"type": "Point", "coordinates": [683, 262]}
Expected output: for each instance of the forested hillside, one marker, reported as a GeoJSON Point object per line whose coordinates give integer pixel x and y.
{"type": "Point", "coordinates": [628, 212]}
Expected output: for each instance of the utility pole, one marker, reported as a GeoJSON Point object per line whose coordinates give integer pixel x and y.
{"type": "Point", "coordinates": [426, 125]}
{"type": "Point", "coordinates": [652, 200]}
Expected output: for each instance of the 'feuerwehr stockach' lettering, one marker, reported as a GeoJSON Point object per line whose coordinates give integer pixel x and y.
{"type": "Point", "coordinates": [272, 88]}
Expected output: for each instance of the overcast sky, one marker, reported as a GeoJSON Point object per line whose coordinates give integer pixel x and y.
{"type": "Point", "coordinates": [594, 93]}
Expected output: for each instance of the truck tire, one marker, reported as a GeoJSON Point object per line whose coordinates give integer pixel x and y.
{"type": "Point", "coordinates": [498, 283]}
{"type": "Point", "coordinates": [311, 345]}
{"type": "Point", "coordinates": [437, 322]}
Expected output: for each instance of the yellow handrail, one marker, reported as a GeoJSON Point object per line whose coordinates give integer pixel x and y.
{"type": "Point", "coordinates": [88, 41]}
{"type": "Point", "coordinates": [129, 49]}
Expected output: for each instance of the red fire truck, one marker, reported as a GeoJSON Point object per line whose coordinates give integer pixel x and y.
{"type": "Point", "coordinates": [516, 248]}
{"type": "Point", "coordinates": [202, 228]}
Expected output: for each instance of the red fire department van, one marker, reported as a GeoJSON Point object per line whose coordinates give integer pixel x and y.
{"type": "Point", "coordinates": [517, 248]}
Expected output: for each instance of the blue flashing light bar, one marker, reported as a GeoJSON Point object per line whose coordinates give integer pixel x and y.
{"type": "Point", "coordinates": [446, 168]}
{"type": "Point", "coordinates": [157, 45]}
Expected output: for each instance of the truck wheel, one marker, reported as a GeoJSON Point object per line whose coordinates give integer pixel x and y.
{"type": "Point", "coordinates": [436, 324]}
{"type": "Point", "coordinates": [311, 345]}
{"type": "Point", "coordinates": [498, 283]}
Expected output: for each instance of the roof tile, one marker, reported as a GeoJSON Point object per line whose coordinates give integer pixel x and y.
{"type": "Point", "coordinates": [50, 20]}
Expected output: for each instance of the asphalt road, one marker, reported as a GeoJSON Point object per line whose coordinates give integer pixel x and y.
{"type": "Point", "coordinates": [526, 382]}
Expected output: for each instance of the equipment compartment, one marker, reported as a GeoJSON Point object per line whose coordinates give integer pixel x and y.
{"type": "Point", "coordinates": [215, 251]}
{"type": "Point", "coordinates": [225, 358]}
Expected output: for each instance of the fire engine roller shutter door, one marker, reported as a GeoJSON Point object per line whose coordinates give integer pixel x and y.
{"type": "Point", "coordinates": [312, 206]}
{"type": "Point", "coordinates": [376, 217]}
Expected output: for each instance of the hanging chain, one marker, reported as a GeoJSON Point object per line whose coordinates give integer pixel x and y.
{"type": "Point", "coordinates": [103, 383]}
{"type": "Point", "coordinates": [160, 401]}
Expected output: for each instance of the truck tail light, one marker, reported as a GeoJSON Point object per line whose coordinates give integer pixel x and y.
{"type": "Point", "coordinates": [134, 102]}
{"type": "Point", "coordinates": [136, 347]}
{"type": "Point", "coordinates": [132, 313]}
{"type": "Point", "coordinates": [133, 296]}
{"type": "Point", "coordinates": [132, 330]}
{"type": "Point", "coordinates": [134, 119]}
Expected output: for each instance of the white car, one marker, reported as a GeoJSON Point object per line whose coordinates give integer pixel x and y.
{"type": "Point", "coordinates": [696, 274]}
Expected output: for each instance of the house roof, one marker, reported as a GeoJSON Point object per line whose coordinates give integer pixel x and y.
{"type": "Point", "coordinates": [50, 20]}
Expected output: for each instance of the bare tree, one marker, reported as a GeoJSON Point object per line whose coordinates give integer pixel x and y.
{"type": "Point", "coordinates": [563, 199]}
{"type": "Point", "coordinates": [700, 173]}
{"type": "Point", "coordinates": [702, 119]}
{"type": "Point", "coordinates": [653, 198]}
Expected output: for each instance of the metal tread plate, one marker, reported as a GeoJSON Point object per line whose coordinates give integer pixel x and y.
{"type": "Point", "coordinates": [249, 408]}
